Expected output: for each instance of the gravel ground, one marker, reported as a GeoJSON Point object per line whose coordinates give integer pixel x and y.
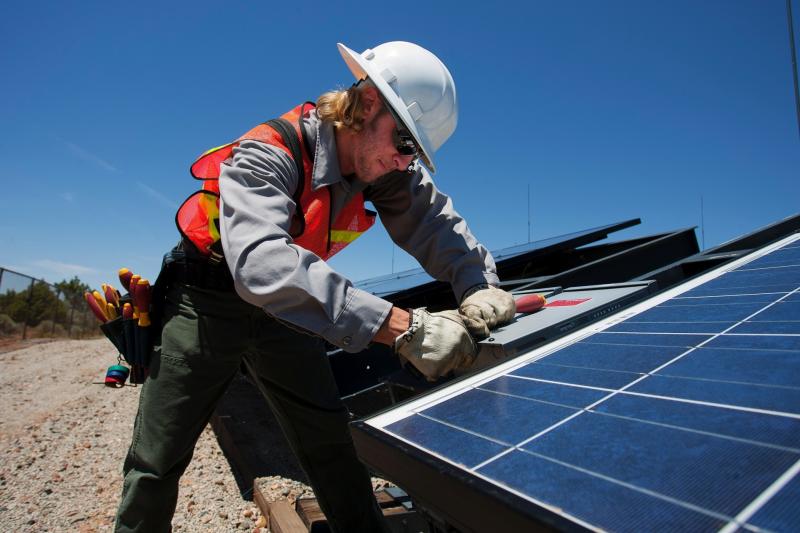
{"type": "Point", "coordinates": [63, 440]}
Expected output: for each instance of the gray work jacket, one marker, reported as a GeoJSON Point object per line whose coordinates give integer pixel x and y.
{"type": "Point", "coordinates": [296, 286]}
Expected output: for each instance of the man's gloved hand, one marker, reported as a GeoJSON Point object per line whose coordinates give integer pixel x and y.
{"type": "Point", "coordinates": [436, 343]}
{"type": "Point", "coordinates": [485, 307]}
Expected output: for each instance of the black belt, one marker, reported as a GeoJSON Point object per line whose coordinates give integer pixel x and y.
{"type": "Point", "coordinates": [185, 265]}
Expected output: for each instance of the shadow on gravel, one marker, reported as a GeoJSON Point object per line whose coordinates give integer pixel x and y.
{"type": "Point", "coordinates": [250, 437]}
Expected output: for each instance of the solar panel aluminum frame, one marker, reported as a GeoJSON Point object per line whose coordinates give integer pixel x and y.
{"type": "Point", "coordinates": [468, 500]}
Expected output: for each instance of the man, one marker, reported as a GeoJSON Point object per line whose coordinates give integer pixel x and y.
{"type": "Point", "coordinates": [249, 279]}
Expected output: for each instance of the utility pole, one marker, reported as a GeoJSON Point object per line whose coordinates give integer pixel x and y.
{"type": "Point", "coordinates": [529, 212]}
{"type": "Point", "coordinates": [702, 225]}
{"type": "Point", "coordinates": [794, 61]}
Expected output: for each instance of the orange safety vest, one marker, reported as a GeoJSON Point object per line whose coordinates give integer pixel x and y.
{"type": "Point", "coordinates": [311, 226]}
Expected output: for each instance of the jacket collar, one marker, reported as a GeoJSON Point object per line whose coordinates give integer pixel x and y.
{"type": "Point", "coordinates": [326, 160]}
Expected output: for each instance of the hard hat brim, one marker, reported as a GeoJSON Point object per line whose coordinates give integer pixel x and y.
{"type": "Point", "coordinates": [363, 69]}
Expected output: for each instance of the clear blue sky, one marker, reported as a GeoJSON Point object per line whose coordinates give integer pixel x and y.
{"type": "Point", "coordinates": [607, 109]}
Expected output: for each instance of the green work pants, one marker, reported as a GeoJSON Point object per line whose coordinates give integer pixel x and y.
{"type": "Point", "coordinates": [205, 336]}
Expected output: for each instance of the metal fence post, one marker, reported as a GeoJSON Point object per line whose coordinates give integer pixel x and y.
{"type": "Point", "coordinates": [28, 310]}
{"type": "Point", "coordinates": [55, 312]}
{"type": "Point", "coordinates": [71, 315]}
{"type": "Point", "coordinates": [83, 326]}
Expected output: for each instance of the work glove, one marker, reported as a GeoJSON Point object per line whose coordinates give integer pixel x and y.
{"type": "Point", "coordinates": [436, 343]}
{"type": "Point", "coordinates": [485, 307]}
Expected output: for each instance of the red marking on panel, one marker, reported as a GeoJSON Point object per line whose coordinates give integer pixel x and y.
{"type": "Point", "coordinates": [565, 303]}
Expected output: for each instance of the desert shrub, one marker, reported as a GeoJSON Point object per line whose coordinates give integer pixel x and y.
{"type": "Point", "coordinates": [45, 329]}
{"type": "Point", "coordinates": [8, 326]}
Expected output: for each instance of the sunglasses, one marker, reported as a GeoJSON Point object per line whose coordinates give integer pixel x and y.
{"type": "Point", "coordinates": [403, 140]}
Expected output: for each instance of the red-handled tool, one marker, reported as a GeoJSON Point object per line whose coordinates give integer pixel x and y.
{"type": "Point", "coordinates": [141, 300]}
{"type": "Point", "coordinates": [141, 305]}
{"type": "Point", "coordinates": [132, 291]}
{"type": "Point", "coordinates": [530, 303]}
{"type": "Point", "coordinates": [125, 278]}
{"type": "Point", "coordinates": [111, 294]}
{"type": "Point", "coordinates": [94, 306]}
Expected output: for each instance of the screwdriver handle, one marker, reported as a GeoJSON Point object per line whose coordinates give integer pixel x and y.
{"type": "Point", "coordinates": [142, 301]}
{"type": "Point", "coordinates": [125, 278]}
{"type": "Point", "coordinates": [95, 308]}
{"type": "Point", "coordinates": [530, 303]}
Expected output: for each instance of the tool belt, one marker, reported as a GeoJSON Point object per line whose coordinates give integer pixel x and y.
{"type": "Point", "coordinates": [184, 264]}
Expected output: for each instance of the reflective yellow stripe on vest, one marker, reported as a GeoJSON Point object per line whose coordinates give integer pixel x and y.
{"type": "Point", "coordinates": [342, 235]}
{"type": "Point", "coordinates": [209, 203]}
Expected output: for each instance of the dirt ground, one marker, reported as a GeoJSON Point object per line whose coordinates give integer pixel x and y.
{"type": "Point", "coordinates": [64, 436]}
{"type": "Point", "coordinates": [63, 439]}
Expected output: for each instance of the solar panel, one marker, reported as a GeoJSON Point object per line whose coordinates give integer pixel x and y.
{"type": "Point", "coordinates": [682, 412]}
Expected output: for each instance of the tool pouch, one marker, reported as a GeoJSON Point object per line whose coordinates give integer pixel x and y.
{"type": "Point", "coordinates": [122, 334]}
{"type": "Point", "coordinates": [114, 332]}
{"type": "Point", "coordinates": [136, 343]}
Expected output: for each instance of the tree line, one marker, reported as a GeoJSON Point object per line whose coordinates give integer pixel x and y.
{"type": "Point", "coordinates": [42, 302]}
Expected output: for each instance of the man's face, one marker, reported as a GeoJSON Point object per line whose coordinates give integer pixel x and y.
{"type": "Point", "coordinates": [375, 152]}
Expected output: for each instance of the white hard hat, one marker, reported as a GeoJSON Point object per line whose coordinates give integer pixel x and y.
{"type": "Point", "coordinates": [416, 84]}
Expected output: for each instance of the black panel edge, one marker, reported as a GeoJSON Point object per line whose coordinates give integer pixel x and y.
{"type": "Point", "coordinates": [468, 502]}
{"type": "Point", "coordinates": [575, 242]}
{"type": "Point", "coordinates": [760, 237]}
{"type": "Point", "coordinates": [684, 269]}
{"type": "Point", "coordinates": [627, 264]}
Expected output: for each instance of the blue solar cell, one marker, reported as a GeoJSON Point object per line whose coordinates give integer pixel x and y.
{"type": "Point", "coordinates": [645, 339]}
{"type": "Point", "coordinates": [780, 311]}
{"type": "Point", "coordinates": [707, 313]}
{"type": "Point", "coordinates": [781, 512]}
{"type": "Point", "coordinates": [718, 474]}
{"type": "Point", "coordinates": [630, 358]}
{"type": "Point", "coordinates": [545, 392]}
{"type": "Point", "coordinates": [753, 396]}
{"type": "Point", "coordinates": [459, 446]}
{"type": "Point", "coordinates": [782, 257]}
{"type": "Point", "coordinates": [776, 327]}
{"type": "Point", "coordinates": [729, 289]}
{"type": "Point", "coordinates": [769, 430]}
{"type": "Point", "coordinates": [718, 300]}
{"type": "Point", "coordinates": [593, 499]}
{"type": "Point", "coordinates": [580, 376]}
{"type": "Point", "coordinates": [793, 297]}
{"type": "Point", "coordinates": [786, 277]}
{"type": "Point", "coordinates": [505, 418]}
{"type": "Point", "coordinates": [744, 366]}
{"type": "Point", "coordinates": [756, 342]}
{"type": "Point", "coordinates": [710, 328]}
